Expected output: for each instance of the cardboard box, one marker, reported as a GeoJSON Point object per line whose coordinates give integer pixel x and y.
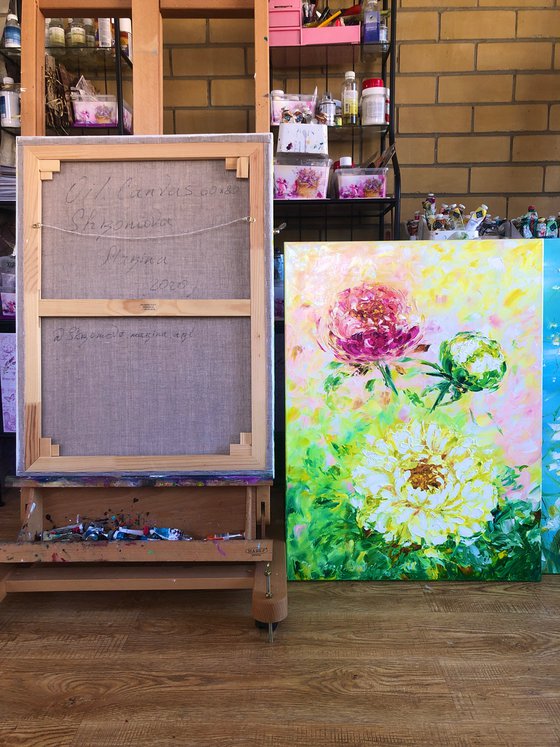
{"type": "Point", "coordinates": [303, 138]}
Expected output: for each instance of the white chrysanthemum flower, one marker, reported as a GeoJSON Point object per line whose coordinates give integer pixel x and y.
{"type": "Point", "coordinates": [422, 484]}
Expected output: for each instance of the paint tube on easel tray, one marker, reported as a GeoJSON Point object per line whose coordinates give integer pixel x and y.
{"type": "Point", "coordinates": [477, 216]}
{"type": "Point", "coordinates": [167, 533]}
{"type": "Point", "coordinates": [69, 533]}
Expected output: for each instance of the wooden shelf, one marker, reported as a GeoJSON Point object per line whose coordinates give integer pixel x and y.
{"type": "Point", "coordinates": [137, 552]}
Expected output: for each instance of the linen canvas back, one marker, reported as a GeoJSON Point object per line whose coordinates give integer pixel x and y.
{"type": "Point", "coordinates": [145, 306]}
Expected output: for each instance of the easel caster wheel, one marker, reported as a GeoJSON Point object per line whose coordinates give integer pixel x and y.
{"type": "Point", "coordinates": [264, 626]}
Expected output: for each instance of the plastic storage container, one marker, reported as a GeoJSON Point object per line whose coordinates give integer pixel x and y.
{"type": "Point", "coordinates": [284, 106]}
{"type": "Point", "coordinates": [305, 179]}
{"type": "Point", "coordinates": [357, 184]}
{"type": "Point", "coordinates": [100, 111]}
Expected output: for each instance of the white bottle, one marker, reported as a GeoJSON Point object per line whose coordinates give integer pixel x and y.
{"type": "Point", "coordinates": [126, 36]}
{"type": "Point", "coordinates": [104, 32]}
{"type": "Point", "coordinates": [9, 104]}
{"type": "Point", "coordinates": [12, 32]}
{"type": "Point", "coordinates": [373, 102]}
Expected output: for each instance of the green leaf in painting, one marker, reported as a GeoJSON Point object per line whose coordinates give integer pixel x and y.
{"type": "Point", "coordinates": [333, 365]}
{"type": "Point", "coordinates": [414, 398]}
{"type": "Point", "coordinates": [333, 381]}
{"type": "Point", "coordinates": [370, 385]}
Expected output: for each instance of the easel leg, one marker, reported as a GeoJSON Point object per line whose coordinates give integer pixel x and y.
{"type": "Point", "coordinates": [5, 571]}
{"type": "Point", "coordinates": [270, 589]}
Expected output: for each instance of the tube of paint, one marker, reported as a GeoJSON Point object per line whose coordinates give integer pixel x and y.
{"type": "Point", "coordinates": [166, 533]}
{"type": "Point", "coordinates": [541, 228]}
{"type": "Point", "coordinates": [477, 216]}
{"type": "Point", "coordinates": [225, 536]}
{"type": "Point", "coordinates": [95, 533]}
{"type": "Point", "coordinates": [429, 205]}
{"type": "Point", "coordinates": [551, 227]}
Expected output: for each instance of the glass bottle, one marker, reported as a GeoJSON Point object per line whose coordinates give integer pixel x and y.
{"type": "Point", "coordinates": [371, 18]}
{"type": "Point", "coordinates": [349, 99]}
{"type": "Point", "coordinates": [56, 36]}
{"type": "Point", "coordinates": [76, 33]}
{"type": "Point", "coordinates": [12, 32]}
{"type": "Point", "coordinates": [89, 26]}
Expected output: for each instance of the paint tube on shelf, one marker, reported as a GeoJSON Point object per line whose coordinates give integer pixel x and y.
{"type": "Point", "coordinates": [540, 231]}
{"type": "Point", "coordinates": [551, 227]}
{"type": "Point", "coordinates": [529, 223]}
{"type": "Point", "coordinates": [456, 213]}
{"type": "Point", "coordinates": [477, 216]}
{"type": "Point", "coordinates": [413, 226]}
{"type": "Point", "coordinates": [440, 223]}
{"type": "Point", "coordinates": [429, 205]}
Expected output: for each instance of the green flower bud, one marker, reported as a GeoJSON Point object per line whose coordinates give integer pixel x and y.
{"type": "Point", "coordinates": [474, 362]}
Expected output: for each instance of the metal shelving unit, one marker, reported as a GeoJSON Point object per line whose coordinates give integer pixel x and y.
{"type": "Point", "coordinates": [304, 216]}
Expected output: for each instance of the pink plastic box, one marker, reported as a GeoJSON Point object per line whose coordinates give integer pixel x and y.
{"type": "Point", "coordinates": [359, 184]}
{"type": "Point", "coordinates": [331, 35]}
{"type": "Point", "coordinates": [301, 181]}
{"type": "Point", "coordinates": [284, 37]}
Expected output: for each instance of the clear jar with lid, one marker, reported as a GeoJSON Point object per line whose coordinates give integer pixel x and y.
{"type": "Point", "coordinates": [56, 36]}
{"type": "Point", "coordinates": [327, 107]}
{"type": "Point", "coordinates": [89, 25]}
{"type": "Point", "coordinates": [76, 33]}
{"type": "Point", "coordinates": [373, 102]}
{"type": "Point", "coordinates": [276, 98]}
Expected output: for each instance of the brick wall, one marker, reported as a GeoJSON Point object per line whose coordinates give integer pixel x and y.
{"type": "Point", "coordinates": [479, 103]}
{"type": "Point", "coordinates": [208, 76]}
{"type": "Point", "coordinates": [478, 96]}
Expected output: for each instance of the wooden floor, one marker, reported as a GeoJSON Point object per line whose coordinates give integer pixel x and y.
{"type": "Point", "coordinates": [419, 664]}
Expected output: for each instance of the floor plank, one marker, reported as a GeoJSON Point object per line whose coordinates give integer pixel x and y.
{"type": "Point", "coordinates": [354, 665]}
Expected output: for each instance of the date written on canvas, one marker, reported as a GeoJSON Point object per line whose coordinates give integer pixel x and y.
{"type": "Point", "coordinates": [79, 336]}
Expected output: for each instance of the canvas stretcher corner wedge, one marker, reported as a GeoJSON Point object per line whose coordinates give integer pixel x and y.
{"type": "Point", "coordinates": [413, 409]}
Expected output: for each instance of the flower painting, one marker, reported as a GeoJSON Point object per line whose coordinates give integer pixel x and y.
{"type": "Point", "coordinates": [413, 400]}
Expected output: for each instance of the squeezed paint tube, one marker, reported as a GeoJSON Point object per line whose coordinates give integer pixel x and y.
{"type": "Point", "coordinates": [429, 205]}
{"type": "Point", "coordinates": [71, 532]}
{"type": "Point", "coordinates": [541, 228]}
{"type": "Point", "coordinates": [166, 533]}
{"type": "Point", "coordinates": [412, 229]}
{"type": "Point", "coordinates": [457, 216]}
{"type": "Point", "coordinates": [95, 533]}
{"type": "Point", "coordinates": [123, 533]}
{"type": "Point", "coordinates": [225, 536]}
{"type": "Point", "coordinates": [477, 216]}
{"type": "Point", "coordinates": [551, 227]}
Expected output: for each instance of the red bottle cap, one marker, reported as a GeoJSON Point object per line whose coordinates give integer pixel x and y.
{"type": "Point", "coordinates": [373, 83]}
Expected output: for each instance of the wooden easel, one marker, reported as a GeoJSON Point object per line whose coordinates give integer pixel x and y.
{"type": "Point", "coordinates": [202, 507]}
